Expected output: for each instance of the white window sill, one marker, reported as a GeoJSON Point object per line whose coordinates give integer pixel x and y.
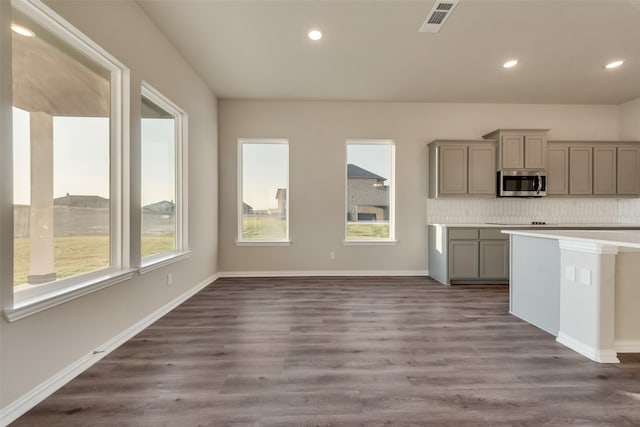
{"type": "Point", "coordinates": [364, 242]}
{"type": "Point", "coordinates": [35, 304]}
{"type": "Point", "coordinates": [155, 262]}
{"type": "Point", "coordinates": [263, 242]}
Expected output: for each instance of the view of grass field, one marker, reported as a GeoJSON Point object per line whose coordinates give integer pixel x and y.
{"type": "Point", "coordinates": [81, 254]}
{"type": "Point", "coordinates": [263, 227]}
{"type": "Point", "coordinates": [72, 255]}
{"type": "Point", "coordinates": [272, 227]}
{"type": "Point", "coordinates": [155, 244]}
{"type": "Point", "coordinates": [364, 230]}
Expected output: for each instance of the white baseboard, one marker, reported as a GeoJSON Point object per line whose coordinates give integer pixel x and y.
{"type": "Point", "coordinates": [316, 273]}
{"type": "Point", "coordinates": [627, 346]}
{"type": "Point", "coordinates": [595, 354]}
{"type": "Point", "coordinates": [48, 387]}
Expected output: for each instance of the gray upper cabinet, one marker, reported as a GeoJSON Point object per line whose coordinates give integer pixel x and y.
{"type": "Point", "coordinates": [512, 152]}
{"type": "Point", "coordinates": [452, 170]}
{"type": "Point", "coordinates": [604, 170]}
{"type": "Point", "coordinates": [628, 171]}
{"type": "Point", "coordinates": [535, 151]}
{"type": "Point", "coordinates": [520, 148]}
{"type": "Point", "coordinates": [580, 170]}
{"type": "Point", "coordinates": [482, 170]}
{"type": "Point", "coordinates": [557, 169]}
{"type": "Point", "coordinates": [583, 168]}
{"type": "Point", "coordinates": [462, 168]}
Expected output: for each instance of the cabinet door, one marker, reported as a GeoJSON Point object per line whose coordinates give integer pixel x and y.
{"type": "Point", "coordinates": [535, 152]}
{"type": "Point", "coordinates": [604, 170]}
{"type": "Point", "coordinates": [628, 170]}
{"type": "Point", "coordinates": [494, 259]}
{"type": "Point", "coordinates": [512, 152]}
{"type": "Point", "coordinates": [482, 170]}
{"type": "Point", "coordinates": [580, 170]}
{"type": "Point", "coordinates": [558, 170]}
{"type": "Point", "coordinates": [453, 170]}
{"type": "Point", "coordinates": [463, 259]}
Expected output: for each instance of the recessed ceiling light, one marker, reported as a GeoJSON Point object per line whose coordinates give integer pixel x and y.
{"type": "Point", "coordinates": [510, 63]}
{"type": "Point", "coordinates": [23, 31]}
{"type": "Point", "coordinates": [314, 35]}
{"type": "Point", "coordinates": [614, 64]}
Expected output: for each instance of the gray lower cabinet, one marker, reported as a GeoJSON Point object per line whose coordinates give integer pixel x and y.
{"type": "Point", "coordinates": [494, 259]}
{"type": "Point", "coordinates": [463, 259]}
{"type": "Point", "coordinates": [468, 255]}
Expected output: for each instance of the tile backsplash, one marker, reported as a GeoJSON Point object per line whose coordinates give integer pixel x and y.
{"type": "Point", "coordinates": [522, 211]}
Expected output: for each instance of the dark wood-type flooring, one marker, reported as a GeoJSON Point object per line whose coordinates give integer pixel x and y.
{"type": "Point", "coordinates": [380, 351]}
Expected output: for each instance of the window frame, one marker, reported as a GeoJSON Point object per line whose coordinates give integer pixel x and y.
{"type": "Point", "coordinates": [155, 261]}
{"type": "Point", "coordinates": [32, 299]}
{"type": "Point", "coordinates": [391, 240]}
{"type": "Point", "coordinates": [241, 241]}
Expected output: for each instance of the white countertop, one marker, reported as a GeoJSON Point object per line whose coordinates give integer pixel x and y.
{"type": "Point", "coordinates": [624, 238]}
{"type": "Point", "coordinates": [543, 226]}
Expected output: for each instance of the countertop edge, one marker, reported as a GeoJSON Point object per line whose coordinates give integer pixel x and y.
{"type": "Point", "coordinates": [598, 237]}
{"type": "Point", "coordinates": [540, 226]}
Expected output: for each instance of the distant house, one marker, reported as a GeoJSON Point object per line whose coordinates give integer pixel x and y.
{"type": "Point", "coordinates": [368, 196]}
{"type": "Point", "coordinates": [73, 201]}
{"type": "Point", "coordinates": [160, 208]}
{"type": "Point", "coordinates": [281, 196]}
{"type": "Point", "coordinates": [247, 209]}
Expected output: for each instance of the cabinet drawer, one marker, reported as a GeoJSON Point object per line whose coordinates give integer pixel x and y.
{"type": "Point", "coordinates": [492, 234]}
{"type": "Point", "coordinates": [463, 233]}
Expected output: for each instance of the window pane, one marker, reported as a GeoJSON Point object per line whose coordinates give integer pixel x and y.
{"type": "Point", "coordinates": [369, 174]}
{"type": "Point", "coordinates": [61, 161]}
{"type": "Point", "coordinates": [158, 140]}
{"type": "Point", "coordinates": [265, 170]}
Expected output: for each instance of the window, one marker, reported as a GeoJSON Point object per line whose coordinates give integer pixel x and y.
{"type": "Point", "coordinates": [68, 157]}
{"type": "Point", "coordinates": [263, 187]}
{"type": "Point", "coordinates": [370, 191]}
{"type": "Point", "coordinates": [163, 187]}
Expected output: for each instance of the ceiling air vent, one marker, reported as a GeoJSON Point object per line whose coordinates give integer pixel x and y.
{"type": "Point", "coordinates": [438, 15]}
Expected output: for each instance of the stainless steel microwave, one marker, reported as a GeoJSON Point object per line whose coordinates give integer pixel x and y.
{"type": "Point", "coordinates": [522, 183]}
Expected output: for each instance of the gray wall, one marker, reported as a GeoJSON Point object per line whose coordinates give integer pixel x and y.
{"type": "Point", "coordinates": [630, 120]}
{"type": "Point", "coordinates": [629, 209]}
{"type": "Point", "coordinates": [317, 132]}
{"type": "Point", "coordinates": [37, 347]}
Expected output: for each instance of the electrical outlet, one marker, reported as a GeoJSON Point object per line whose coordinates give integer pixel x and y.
{"type": "Point", "coordinates": [585, 276]}
{"type": "Point", "coordinates": [332, 255]}
{"type": "Point", "coordinates": [169, 279]}
{"type": "Point", "coordinates": [570, 273]}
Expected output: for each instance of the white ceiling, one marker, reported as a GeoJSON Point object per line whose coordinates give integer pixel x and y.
{"type": "Point", "coordinates": [372, 50]}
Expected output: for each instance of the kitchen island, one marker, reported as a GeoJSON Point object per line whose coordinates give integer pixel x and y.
{"type": "Point", "coordinates": [582, 286]}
